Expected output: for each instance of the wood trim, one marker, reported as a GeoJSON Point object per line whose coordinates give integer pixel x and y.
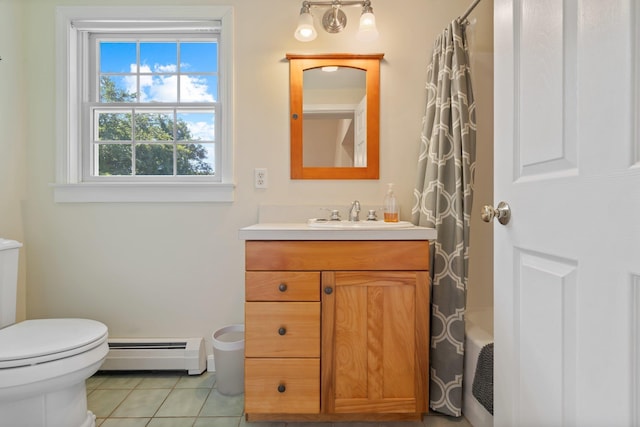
{"type": "Point", "coordinates": [295, 117]}
{"type": "Point", "coordinates": [298, 63]}
{"type": "Point", "coordinates": [377, 56]}
{"type": "Point", "coordinates": [334, 417]}
{"type": "Point", "coordinates": [327, 377]}
{"type": "Point", "coordinates": [423, 330]}
{"type": "Point", "coordinates": [375, 255]}
{"type": "Point", "coordinates": [379, 406]}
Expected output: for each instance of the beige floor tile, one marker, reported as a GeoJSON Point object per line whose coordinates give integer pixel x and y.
{"type": "Point", "coordinates": [125, 422]}
{"type": "Point", "coordinates": [183, 402]}
{"type": "Point", "coordinates": [158, 381]}
{"type": "Point", "coordinates": [103, 402]}
{"type": "Point", "coordinates": [218, 405]}
{"type": "Point", "coordinates": [244, 423]}
{"type": "Point", "coordinates": [172, 422]}
{"type": "Point", "coordinates": [94, 381]}
{"type": "Point", "coordinates": [193, 401]}
{"type": "Point", "coordinates": [204, 380]}
{"type": "Point", "coordinates": [217, 422]}
{"type": "Point", "coordinates": [141, 403]}
{"type": "Point", "coordinates": [125, 381]}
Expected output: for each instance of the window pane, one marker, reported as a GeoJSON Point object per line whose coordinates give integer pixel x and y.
{"type": "Point", "coordinates": [199, 57]}
{"type": "Point", "coordinates": [195, 126]}
{"type": "Point", "coordinates": [195, 159]}
{"type": "Point", "coordinates": [195, 88]}
{"type": "Point", "coordinates": [113, 126]}
{"type": "Point", "coordinates": [117, 57]}
{"type": "Point", "coordinates": [114, 159]}
{"type": "Point", "coordinates": [159, 88]}
{"type": "Point", "coordinates": [154, 159]}
{"type": "Point", "coordinates": [154, 127]}
{"type": "Point", "coordinates": [159, 57]}
{"type": "Point", "coordinates": [117, 89]}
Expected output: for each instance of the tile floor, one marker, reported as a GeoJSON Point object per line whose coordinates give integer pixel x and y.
{"type": "Point", "coordinates": [174, 399]}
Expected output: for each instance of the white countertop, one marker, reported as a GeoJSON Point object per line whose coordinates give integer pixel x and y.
{"type": "Point", "coordinates": [302, 231]}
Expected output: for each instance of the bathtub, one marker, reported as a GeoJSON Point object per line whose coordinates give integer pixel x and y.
{"type": "Point", "coordinates": [478, 333]}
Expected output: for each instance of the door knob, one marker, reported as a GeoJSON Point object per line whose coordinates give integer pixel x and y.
{"type": "Point", "coordinates": [502, 213]}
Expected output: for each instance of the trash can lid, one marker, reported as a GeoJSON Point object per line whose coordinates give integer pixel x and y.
{"type": "Point", "coordinates": [229, 338]}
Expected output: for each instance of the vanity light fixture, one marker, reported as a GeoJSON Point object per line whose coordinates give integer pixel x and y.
{"type": "Point", "coordinates": [334, 20]}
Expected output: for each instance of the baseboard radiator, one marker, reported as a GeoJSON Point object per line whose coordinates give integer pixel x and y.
{"type": "Point", "coordinates": [156, 354]}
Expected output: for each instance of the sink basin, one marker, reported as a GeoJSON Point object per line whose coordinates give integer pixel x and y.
{"type": "Point", "coordinates": [357, 225]}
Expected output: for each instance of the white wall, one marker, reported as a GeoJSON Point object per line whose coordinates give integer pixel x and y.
{"type": "Point", "coordinates": [13, 134]}
{"type": "Point", "coordinates": [480, 286]}
{"type": "Point", "coordinates": [177, 269]}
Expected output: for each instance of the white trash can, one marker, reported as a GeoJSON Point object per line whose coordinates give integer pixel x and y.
{"type": "Point", "coordinates": [228, 356]}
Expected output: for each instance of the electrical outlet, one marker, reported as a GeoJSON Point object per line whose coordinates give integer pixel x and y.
{"type": "Point", "coordinates": [260, 177]}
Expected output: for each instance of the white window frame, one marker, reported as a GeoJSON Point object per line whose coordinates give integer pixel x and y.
{"type": "Point", "coordinates": [72, 80]}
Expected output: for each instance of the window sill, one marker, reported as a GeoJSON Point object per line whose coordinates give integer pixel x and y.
{"type": "Point", "coordinates": [142, 192]}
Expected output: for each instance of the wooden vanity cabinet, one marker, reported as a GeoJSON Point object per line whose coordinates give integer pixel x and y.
{"type": "Point", "coordinates": [336, 330]}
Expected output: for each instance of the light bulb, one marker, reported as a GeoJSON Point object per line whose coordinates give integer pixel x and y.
{"type": "Point", "coordinates": [367, 30]}
{"type": "Point", "coordinates": [305, 31]}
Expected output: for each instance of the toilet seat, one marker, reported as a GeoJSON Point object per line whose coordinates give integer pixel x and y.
{"type": "Point", "coordinates": [33, 342]}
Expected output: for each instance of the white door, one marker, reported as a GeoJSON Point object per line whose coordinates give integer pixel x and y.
{"type": "Point", "coordinates": [567, 265]}
{"type": "Point", "coordinates": [360, 143]}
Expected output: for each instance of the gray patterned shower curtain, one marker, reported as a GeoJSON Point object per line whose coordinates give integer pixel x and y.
{"type": "Point", "coordinates": [443, 198]}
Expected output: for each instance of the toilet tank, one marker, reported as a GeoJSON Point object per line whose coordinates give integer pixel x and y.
{"type": "Point", "coordinates": [8, 280]}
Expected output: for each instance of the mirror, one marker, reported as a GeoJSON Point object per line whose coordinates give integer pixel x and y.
{"type": "Point", "coordinates": [335, 116]}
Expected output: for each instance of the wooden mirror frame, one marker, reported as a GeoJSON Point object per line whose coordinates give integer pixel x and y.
{"type": "Point", "coordinates": [370, 63]}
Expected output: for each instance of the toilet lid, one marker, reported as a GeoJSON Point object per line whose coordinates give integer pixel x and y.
{"type": "Point", "coordinates": [44, 340]}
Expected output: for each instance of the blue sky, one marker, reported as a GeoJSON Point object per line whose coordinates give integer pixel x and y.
{"type": "Point", "coordinates": [117, 57]}
{"type": "Point", "coordinates": [158, 70]}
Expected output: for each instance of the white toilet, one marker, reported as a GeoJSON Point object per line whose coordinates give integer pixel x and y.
{"type": "Point", "coordinates": [44, 363]}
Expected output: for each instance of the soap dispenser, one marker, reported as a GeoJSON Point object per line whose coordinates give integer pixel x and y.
{"type": "Point", "coordinates": [391, 208]}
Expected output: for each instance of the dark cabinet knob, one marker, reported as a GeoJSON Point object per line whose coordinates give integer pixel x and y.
{"type": "Point", "coordinates": [282, 388]}
{"type": "Point", "coordinates": [328, 290]}
{"type": "Point", "coordinates": [282, 287]}
{"type": "Point", "coordinates": [282, 331]}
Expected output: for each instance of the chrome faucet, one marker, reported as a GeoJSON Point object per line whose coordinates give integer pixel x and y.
{"type": "Point", "coordinates": [354, 212]}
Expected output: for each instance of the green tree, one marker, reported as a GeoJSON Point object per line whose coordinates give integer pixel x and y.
{"type": "Point", "coordinates": [151, 159]}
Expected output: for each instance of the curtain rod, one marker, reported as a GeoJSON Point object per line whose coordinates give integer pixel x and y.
{"type": "Point", "coordinates": [469, 10]}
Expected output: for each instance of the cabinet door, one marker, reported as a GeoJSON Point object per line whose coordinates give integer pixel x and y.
{"type": "Point", "coordinates": [375, 341]}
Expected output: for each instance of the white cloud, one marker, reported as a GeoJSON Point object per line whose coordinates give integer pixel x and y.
{"type": "Point", "coordinates": [169, 68]}
{"type": "Point", "coordinates": [194, 89]}
{"type": "Point", "coordinates": [201, 130]}
{"type": "Point", "coordinates": [163, 88]}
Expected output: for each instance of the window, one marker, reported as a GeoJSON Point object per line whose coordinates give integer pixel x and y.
{"type": "Point", "coordinates": [145, 95]}
{"type": "Point", "coordinates": [152, 108]}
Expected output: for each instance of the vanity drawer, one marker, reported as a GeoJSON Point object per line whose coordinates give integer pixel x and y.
{"type": "Point", "coordinates": [282, 285]}
{"type": "Point", "coordinates": [282, 329]}
{"type": "Point", "coordinates": [282, 386]}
